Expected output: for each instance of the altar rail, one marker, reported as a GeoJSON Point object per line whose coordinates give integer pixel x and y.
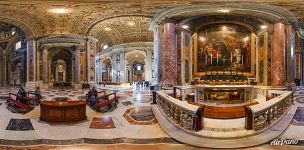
{"type": "Point", "coordinates": [262, 115]}
{"type": "Point", "coordinates": [180, 113]}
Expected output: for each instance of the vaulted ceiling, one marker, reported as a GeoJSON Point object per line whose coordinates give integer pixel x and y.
{"type": "Point", "coordinates": [90, 17]}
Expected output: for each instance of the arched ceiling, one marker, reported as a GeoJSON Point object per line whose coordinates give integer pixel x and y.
{"type": "Point", "coordinates": [33, 17]}
{"type": "Point", "coordinates": [135, 56]}
{"type": "Point", "coordinates": [126, 29]}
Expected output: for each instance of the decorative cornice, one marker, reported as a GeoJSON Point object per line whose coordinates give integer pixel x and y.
{"type": "Point", "coordinates": [263, 11]}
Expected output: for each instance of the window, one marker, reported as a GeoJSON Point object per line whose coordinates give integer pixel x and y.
{"type": "Point", "coordinates": [152, 73]}
{"type": "Point", "coordinates": [18, 45]}
{"type": "Point", "coordinates": [138, 67]}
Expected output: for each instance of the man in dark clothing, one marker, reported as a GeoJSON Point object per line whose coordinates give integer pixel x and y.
{"type": "Point", "coordinates": [21, 96]}
{"type": "Point", "coordinates": [92, 95]}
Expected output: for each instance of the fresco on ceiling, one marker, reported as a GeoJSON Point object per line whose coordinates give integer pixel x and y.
{"type": "Point", "coordinates": [223, 47]}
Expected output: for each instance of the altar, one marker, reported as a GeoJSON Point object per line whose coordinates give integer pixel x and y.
{"type": "Point", "coordinates": [223, 94]}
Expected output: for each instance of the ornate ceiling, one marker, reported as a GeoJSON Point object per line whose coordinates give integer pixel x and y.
{"type": "Point", "coordinates": [90, 17]}
{"type": "Point", "coordinates": [120, 30]}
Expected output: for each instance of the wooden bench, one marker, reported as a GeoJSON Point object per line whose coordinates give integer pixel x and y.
{"type": "Point", "coordinates": [12, 100]}
{"type": "Point", "coordinates": [106, 102]}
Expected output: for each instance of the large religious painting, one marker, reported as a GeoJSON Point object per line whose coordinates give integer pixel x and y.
{"type": "Point", "coordinates": [223, 47]}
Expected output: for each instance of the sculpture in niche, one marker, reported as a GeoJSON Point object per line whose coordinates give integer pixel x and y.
{"type": "Point", "coordinates": [223, 47]}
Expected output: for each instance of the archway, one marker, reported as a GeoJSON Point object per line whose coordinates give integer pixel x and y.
{"type": "Point", "coordinates": [136, 65]}
{"type": "Point", "coordinates": [61, 68]}
{"type": "Point", "coordinates": [106, 70]}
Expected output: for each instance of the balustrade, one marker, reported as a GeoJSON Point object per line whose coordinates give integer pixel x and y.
{"type": "Point", "coordinates": [265, 114]}
{"type": "Point", "coordinates": [178, 112]}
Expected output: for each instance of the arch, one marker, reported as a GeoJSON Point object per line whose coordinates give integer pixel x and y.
{"type": "Point", "coordinates": [122, 29]}
{"type": "Point", "coordinates": [267, 12]}
{"type": "Point", "coordinates": [27, 29]}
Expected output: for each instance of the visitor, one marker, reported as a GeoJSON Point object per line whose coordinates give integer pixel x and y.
{"type": "Point", "coordinates": [92, 95]}
{"type": "Point", "coordinates": [21, 96]}
{"type": "Point", "coordinates": [37, 93]}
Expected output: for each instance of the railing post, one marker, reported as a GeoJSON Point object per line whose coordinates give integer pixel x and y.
{"type": "Point", "coordinates": [248, 118]}
{"type": "Point", "coordinates": [174, 92]}
{"type": "Point", "coordinates": [154, 97]}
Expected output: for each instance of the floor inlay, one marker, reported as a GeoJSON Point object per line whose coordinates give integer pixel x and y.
{"type": "Point", "coordinates": [140, 116]}
{"type": "Point", "coordinates": [20, 125]}
{"type": "Point", "coordinates": [102, 123]}
{"type": "Point", "coordinates": [127, 103]}
{"type": "Point", "coordinates": [298, 118]}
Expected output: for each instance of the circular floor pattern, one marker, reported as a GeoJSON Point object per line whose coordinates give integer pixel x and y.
{"type": "Point", "coordinates": [300, 99]}
{"type": "Point", "coordinates": [298, 118]}
{"type": "Point", "coordinates": [122, 97]}
{"type": "Point", "coordinates": [61, 99]}
{"type": "Point", "coordinates": [143, 99]}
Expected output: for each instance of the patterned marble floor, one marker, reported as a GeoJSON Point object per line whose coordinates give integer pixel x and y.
{"type": "Point", "coordinates": [121, 126]}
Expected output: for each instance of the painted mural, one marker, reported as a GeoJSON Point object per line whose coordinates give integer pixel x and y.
{"type": "Point", "coordinates": [223, 47]}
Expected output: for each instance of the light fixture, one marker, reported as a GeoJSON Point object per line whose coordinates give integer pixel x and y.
{"type": "Point", "coordinates": [263, 26]}
{"type": "Point", "coordinates": [246, 39]}
{"type": "Point", "coordinates": [131, 23]}
{"type": "Point", "coordinates": [185, 26]}
{"type": "Point", "coordinates": [105, 46]}
{"type": "Point", "coordinates": [224, 28]}
{"type": "Point", "coordinates": [224, 10]}
{"type": "Point", "coordinates": [59, 10]}
{"type": "Point", "coordinates": [107, 29]}
{"type": "Point", "coordinates": [202, 39]}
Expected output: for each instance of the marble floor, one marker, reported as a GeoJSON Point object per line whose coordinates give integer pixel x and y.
{"type": "Point", "coordinates": [131, 125]}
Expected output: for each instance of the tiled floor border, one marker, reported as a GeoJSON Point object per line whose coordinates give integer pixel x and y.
{"type": "Point", "coordinates": [87, 141]}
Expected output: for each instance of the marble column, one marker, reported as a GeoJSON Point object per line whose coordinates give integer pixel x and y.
{"type": "Point", "coordinates": [31, 64]}
{"type": "Point", "coordinates": [169, 55]}
{"type": "Point", "coordinates": [91, 51]}
{"type": "Point", "coordinates": [157, 55]}
{"type": "Point", "coordinates": [278, 56]}
{"type": "Point", "coordinates": [148, 66]}
{"type": "Point", "coordinates": [290, 53]}
{"type": "Point", "coordinates": [45, 65]}
{"type": "Point", "coordinates": [78, 48]}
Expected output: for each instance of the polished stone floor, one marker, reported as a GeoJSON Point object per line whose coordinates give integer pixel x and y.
{"type": "Point", "coordinates": [132, 125]}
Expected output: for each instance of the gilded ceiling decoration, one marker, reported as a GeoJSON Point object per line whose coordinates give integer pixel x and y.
{"type": "Point", "coordinates": [120, 30]}
{"type": "Point", "coordinates": [35, 18]}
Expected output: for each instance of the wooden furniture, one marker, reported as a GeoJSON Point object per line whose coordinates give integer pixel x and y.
{"type": "Point", "coordinates": [52, 111]}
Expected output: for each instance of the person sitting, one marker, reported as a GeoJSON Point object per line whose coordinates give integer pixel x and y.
{"type": "Point", "coordinates": [37, 93]}
{"type": "Point", "coordinates": [21, 96]}
{"type": "Point", "coordinates": [92, 95]}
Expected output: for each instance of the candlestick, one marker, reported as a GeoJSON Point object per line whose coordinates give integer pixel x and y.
{"type": "Point", "coordinates": [217, 58]}
{"type": "Point", "coordinates": [211, 59]}
{"type": "Point", "coordinates": [231, 57]}
{"type": "Point", "coordinates": [206, 59]}
{"type": "Point", "coordinates": [242, 60]}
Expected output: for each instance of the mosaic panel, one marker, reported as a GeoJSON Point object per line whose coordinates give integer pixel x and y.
{"type": "Point", "coordinates": [140, 116]}
{"type": "Point", "coordinates": [102, 123]}
{"type": "Point", "coordinates": [20, 125]}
